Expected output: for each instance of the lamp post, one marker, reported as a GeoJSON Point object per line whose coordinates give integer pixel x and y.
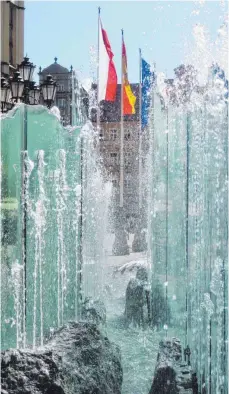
{"type": "Point", "coordinates": [26, 69]}
{"type": "Point", "coordinates": [16, 87]}
{"type": "Point", "coordinates": [48, 88]}
{"type": "Point", "coordinates": [5, 94]}
{"type": "Point", "coordinates": [20, 88]}
{"type": "Point", "coordinates": [34, 93]}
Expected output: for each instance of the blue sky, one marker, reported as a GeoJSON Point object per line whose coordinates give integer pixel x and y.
{"type": "Point", "coordinates": [68, 30]}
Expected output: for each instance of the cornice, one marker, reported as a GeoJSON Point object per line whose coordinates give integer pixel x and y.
{"type": "Point", "coordinates": [16, 5]}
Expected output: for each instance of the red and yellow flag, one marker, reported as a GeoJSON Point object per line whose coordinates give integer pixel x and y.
{"type": "Point", "coordinates": [129, 98]}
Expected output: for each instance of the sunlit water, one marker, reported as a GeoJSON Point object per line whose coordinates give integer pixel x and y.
{"type": "Point", "coordinates": [139, 348]}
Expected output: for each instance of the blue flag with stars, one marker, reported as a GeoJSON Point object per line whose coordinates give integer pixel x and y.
{"type": "Point", "coordinates": [219, 73]}
{"type": "Point", "coordinates": [148, 78]}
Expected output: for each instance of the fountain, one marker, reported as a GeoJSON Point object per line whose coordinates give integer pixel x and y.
{"type": "Point", "coordinates": [55, 207]}
{"type": "Point", "coordinates": [188, 229]}
{"type": "Point", "coordinates": [42, 260]}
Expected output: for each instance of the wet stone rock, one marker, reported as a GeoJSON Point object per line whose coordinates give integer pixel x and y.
{"type": "Point", "coordinates": [137, 308]}
{"type": "Point", "coordinates": [160, 310]}
{"type": "Point", "coordinates": [139, 243]}
{"type": "Point", "coordinates": [77, 359]}
{"type": "Point", "coordinates": [145, 305]}
{"type": "Point", "coordinates": [172, 375]}
{"type": "Point", "coordinates": [120, 246]}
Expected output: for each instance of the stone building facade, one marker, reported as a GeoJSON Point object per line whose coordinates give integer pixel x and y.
{"type": "Point", "coordinates": [110, 131]}
{"type": "Point", "coordinates": [68, 91]}
{"type": "Point", "coordinates": [12, 35]}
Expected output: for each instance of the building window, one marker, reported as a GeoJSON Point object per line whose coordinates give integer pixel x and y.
{"type": "Point", "coordinates": [113, 134]}
{"type": "Point", "coordinates": [127, 183]}
{"type": "Point", "coordinates": [101, 136]}
{"type": "Point", "coordinates": [114, 158]}
{"type": "Point", "coordinates": [127, 158]}
{"type": "Point", "coordinates": [61, 103]}
{"type": "Point", "coordinates": [60, 87]}
{"type": "Point", "coordinates": [127, 135]}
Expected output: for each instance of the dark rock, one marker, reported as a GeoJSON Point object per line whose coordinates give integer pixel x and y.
{"type": "Point", "coordinates": [194, 383]}
{"type": "Point", "coordinates": [172, 376]}
{"type": "Point", "coordinates": [160, 311]}
{"type": "Point", "coordinates": [170, 350]}
{"type": "Point", "coordinates": [77, 359]}
{"type": "Point", "coordinates": [93, 311]}
{"type": "Point", "coordinates": [144, 306]}
{"type": "Point", "coordinates": [120, 246]}
{"type": "Point", "coordinates": [165, 381]}
{"type": "Point", "coordinates": [137, 299]}
{"type": "Point", "coordinates": [139, 243]}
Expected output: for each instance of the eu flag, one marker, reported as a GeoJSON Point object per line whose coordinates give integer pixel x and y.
{"type": "Point", "coordinates": [148, 78]}
{"type": "Point", "coordinates": [219, 73]}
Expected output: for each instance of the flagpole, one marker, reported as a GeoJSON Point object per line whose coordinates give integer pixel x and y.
{"type": "Point", "coordinates": [73, 101]}
{"type": "Point", "coordinates": [121, 135]}
{"type": "Point", "coordinates": [98, 108]}
{"type": "Point", "coordinates": [140, 131]}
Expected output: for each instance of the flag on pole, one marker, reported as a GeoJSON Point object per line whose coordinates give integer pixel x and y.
{"type": "Point", "coordinates": [219, 73]}
{"type": "Point", "coordinates": [129, 98]}
{"type": "Point", "coordinates": [107, 72]}
{"type": "Point", "coordinates": [148, 78]}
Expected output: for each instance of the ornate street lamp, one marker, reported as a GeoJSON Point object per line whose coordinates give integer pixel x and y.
{"type": "Point", "coordinates": [48, 88]}
{"type": "Point", "coordinates": [34, 94]}
{"type": "Point", "coordinates": [26, 69]}
{"type": "Point", "coordinates": [5, 94]}
{"type": "Point", "coordinates": [17, 87]}
{"type": "Point", "coordinates": [21, 88]}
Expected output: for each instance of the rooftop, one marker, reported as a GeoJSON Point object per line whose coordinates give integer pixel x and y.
{"type": "Point", "coordinates": [54, 68]}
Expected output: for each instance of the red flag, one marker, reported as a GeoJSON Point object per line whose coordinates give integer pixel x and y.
{"type": "Point", "coordinates": [107, 71]}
